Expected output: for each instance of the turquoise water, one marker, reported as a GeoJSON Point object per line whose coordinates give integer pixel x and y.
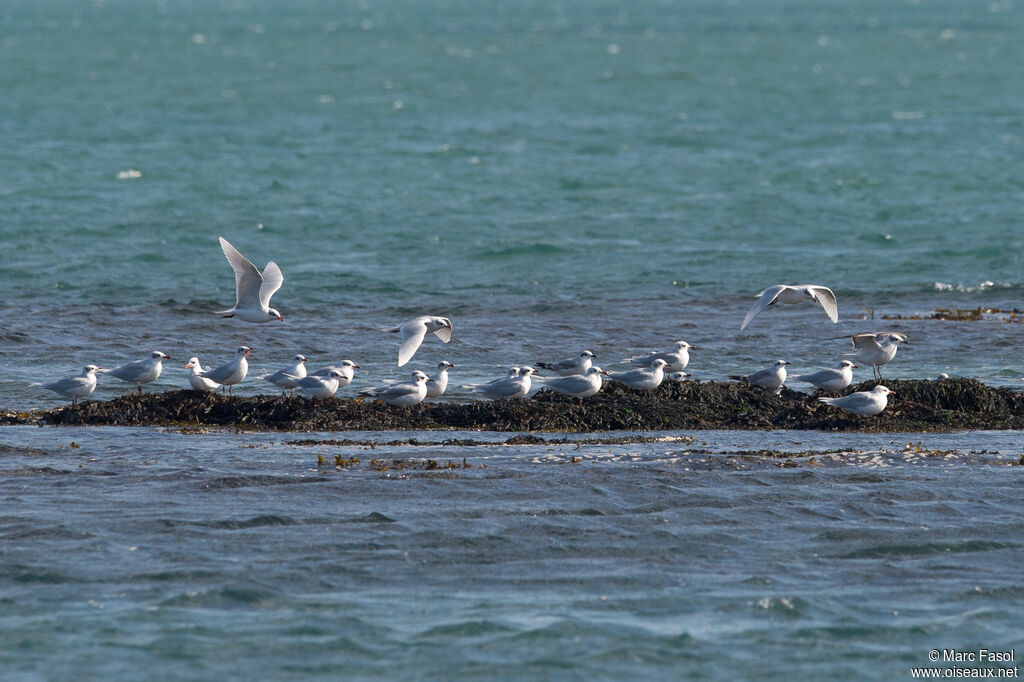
{"type": "Point", "coordinates": [553, 176]}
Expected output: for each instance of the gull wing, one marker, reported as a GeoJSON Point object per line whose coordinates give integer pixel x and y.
{"type": "Point", "coordinates": [631, 375]}
{"type": "Point", "coordinates": [827, 300]}
{"type": "Point", "coordinates": [129, 372]}
{"type": "Point", "coordinates": [646, 360]}
{"type": "Point", "coordinates": [444, 333]}
{"type": "Point", "coordinates": [765, 299]}
{"type": "Point", "coordinates": [412, 337]}
{"type": "Point", "coordinates": [399, 390]}
{"type": "Point", "coordinates": [248, 279]}
{"type": "Point", "coordinates": [273, 278]}
{"type": "Point", "coordinates": [574, 383]}
{"type": "Point", "coordinates": [866, 341]}
{"type": "Point", "coordinates": [65, 385]}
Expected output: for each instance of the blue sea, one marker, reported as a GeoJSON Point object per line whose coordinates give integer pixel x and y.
{"type": "Point", "coordinates": [552, 176]}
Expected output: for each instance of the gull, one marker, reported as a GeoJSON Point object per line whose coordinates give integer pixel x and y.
{"type": "Point", "coordinates": [578, 385]}
{"type": "Point", "coordinates": [511, 387]}
{"type": "Point", "coordinates": [316, 387]}
{"type": "Point", "coordinates": [437, 384]}
{"type": "Point", "coordinates": [252, 290]}
{"type": "Point", "coordinates": [402, 394]}
{"type": "Point", "coordinates": [141, 371]}
{"type": "Point", "coordinates": [232, 371]}
{"type": "Point", "coordinates": [347, 370]}
{"type": "Point", "coordinates": [76, 386]}
{"type": "Point", "coordinates": [577, 365]}
{"type": "Point", "coordinates": [784, 293]}
{"type": "Point", "coordinates": [415, 330]}
{"type": "Point", "coordinates": [771, 378]}
{"type": "Point", "coordinates": [677, 358]}
{"type": "Point", "coordinates": [875, 348]}
{"type": "Point", "coordinates": [864, 403]}
{"type": "Point", "coordinates": [286, 378]}
{"type": "Point", "coordinates": [195, 378]}
{"type": "Point", "coordinates": [830, 380]}
{"type": "Point", "coordinates": [644, 379]}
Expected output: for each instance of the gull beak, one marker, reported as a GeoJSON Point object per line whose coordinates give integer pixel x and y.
{"type": "Point", "coordinates": [188, 365]}
{"type": "Point", "coordinates": [248, 353]}
{"type": "Point", "coordinates": [281, 317]}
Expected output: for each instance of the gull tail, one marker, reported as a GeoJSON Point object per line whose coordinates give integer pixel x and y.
{"type": "Point", "coordinates": [392, 329]}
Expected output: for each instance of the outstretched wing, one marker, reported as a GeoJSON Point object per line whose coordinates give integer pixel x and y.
{"type": "Point", "coordinates": [412, 337]}
{"type": "Point", "coordinates": [827, 300]}
{"type": "Point", "coordinates": [247, 278]}
{"type": "Point", "coordinates": [865, 341]}
{"type": "Point", "coordinates": [273, 278]}
{"type": "Point", "coordinates": [766, 298]}
{"type": "Point", "coordinates": [444, 333]}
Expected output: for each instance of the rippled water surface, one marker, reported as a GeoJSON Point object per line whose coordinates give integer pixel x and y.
{"type": "Point", "coordinates": [553, 176]}
{"type": "Point", "coordinates": [240, 556]}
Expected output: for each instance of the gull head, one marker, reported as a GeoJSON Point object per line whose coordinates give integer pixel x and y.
{"type": "Point", "coordinates": [527, 371]}
{"type": "Point", "coordinates": [419, 377]}
{"type": "Point", "coordinates": [846, 363]}
{"type": "Point", "coordinates": [92, 369]}
{"type": "Point", "coordinates": [349, 363]}
{"type": "Point", "coordinates": [680, 345]}
{"type": "Point", "coordinates": [444, 364]}
{"type": "Point", "coordinates": [273, 314]}
{"type": "Point", "coordinates": [193, 362]}
{"type": "Point", "coordinates": [243, 350]}
{"type": "Point", "coordinates": [299, 358]}
{"type": "Point", "coordinates": [588, 354]}
{"type": "Point", "coordinates": [780, 363]}
{"type": "Point", "coordinates": [658, 364]}
{"type": "Point", "coordinates": [157, 355]}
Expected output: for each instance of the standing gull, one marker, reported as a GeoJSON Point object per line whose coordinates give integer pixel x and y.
{"type": "Point", "coordinates": [516, 384]}
{"type": "Point", "coordinates": [643, 379]}
{"type": "Point", "coordinates": [231, 372]}
{"type": "Point", "coordinates": [876, 348]}
{"type": "Point", "coordinates": [286, 377]}
{"type": "Point", "coordinates": [252, 289]}
{"type": "Point", "coordinates": [316, 387]}
{"type": "Point", "coordinates": [771, 378]}
{"type": "Point", "coordinates": [577, 365]}
{"type": "Point", "coordinates": [347, 370]}
{"type": "Point", "coordinates": [578, 385]}
{"type": "Point", "coordinates": [864, 403]}
{"type": "Point", "coordinates": [402, 394]}
{"type": "Point", "coordinates": [830, 380]}
{"type": "Point", "coordinates": [414, 331]}
{"type": "Point", "coordinates": [677, 358]}
{"type": "Point", "coordinates": [784, 293]}
{"type": "Point", "coordinates": [196, 378]}
{"type": "Point", "coordinates": [76, 386]}
{"type": "Point", "coordinates": [141, 371]}
{"type": "Point", "coordinates": [438, 384]}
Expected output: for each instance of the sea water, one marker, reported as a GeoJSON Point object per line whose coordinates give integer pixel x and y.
{"type": "Point", "coordinates": [553, 176]}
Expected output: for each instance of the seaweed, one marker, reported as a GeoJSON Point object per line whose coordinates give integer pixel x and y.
{"type": "Point", "coordinates": [918, 405]}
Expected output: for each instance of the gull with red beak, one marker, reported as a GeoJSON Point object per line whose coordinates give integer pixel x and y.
{"type": "Point", "coordinates": [231, 372]}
